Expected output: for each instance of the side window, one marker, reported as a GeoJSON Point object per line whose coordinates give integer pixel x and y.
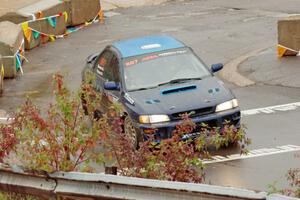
{"type": "Point", "coordinates": [115, 69]}
{"type": "Point", "coordinates": [111, 71]}
{"type": "Point", "coordinates": [103, 63]}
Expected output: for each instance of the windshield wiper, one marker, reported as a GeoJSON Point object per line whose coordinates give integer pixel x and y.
{"type": "Point", "coordinates": [179, 80]}
{"type": "Point", "coordinates": [145, 88]}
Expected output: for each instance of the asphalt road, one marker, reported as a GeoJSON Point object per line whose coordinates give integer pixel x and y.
{"type": "Point", "coordinates": [218, 31]}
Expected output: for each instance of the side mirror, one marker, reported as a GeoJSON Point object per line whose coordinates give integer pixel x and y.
{"type": "Point", "coordinates": [111, 85]}
{"type": "Point", "coordinates": [216, 67]}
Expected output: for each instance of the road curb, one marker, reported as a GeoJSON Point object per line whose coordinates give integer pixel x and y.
{"type": "Point", "coordinates": [230, 71]}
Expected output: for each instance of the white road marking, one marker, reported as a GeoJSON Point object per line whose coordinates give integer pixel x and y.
{"type": "Point", "coordinates": [3, 116]}
{"type": "Point", "coordinates": [5, 120]}
{"type": "Point", "coordinates": [272, 109]}
{"type": "Point", "coordinates": [253, 154]}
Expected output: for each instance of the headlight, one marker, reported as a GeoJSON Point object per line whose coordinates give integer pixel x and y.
{"type": "Point", "coordinates": [150, 119]}
{"type": "Point", "coordinates": [227, 105]}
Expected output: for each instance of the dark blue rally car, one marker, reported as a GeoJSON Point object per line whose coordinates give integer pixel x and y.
{"type": "Point", "coordinates": [157, 79]}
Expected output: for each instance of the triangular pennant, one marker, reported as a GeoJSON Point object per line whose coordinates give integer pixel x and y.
{"type": "Point", "coordinates": [284, 51]}
{"type": "Point", "coordinates": [66, 16]}
{"type": "Point", "coordinates": [44, 38]}
{"type": "Point", "coordinates": [39, 15]}
{"type": "Point", "coordinates": [101, 16]}
{"type": "Point", "coordinates": [36, 34]}
{"type": "Point", "coordinates": [2, 71]}
{"type": "Point", "coordinates": [24, 26]}
{"type": "Point", "coordinates": [27, 31]}
{"type": "Point", "coordinates": [28, 35]}
{"type": "Point", "coordinates": [18, 62]}
{"type": "Point", "coordinates": [52, 38]}
{"type": "Point", "coordinates": [21, 50]}
{"type": "Point", "coordinates": [72, 29]}
{"type": "Point", "coordinates": [52, 21]}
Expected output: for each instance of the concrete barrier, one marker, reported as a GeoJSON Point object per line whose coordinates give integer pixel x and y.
{"type": "Point", "coordinates": [43, 26]}
{"type": "Point", "coordinates": [82, 11]}
{"type": "Point", "coordinates": [15, 17]}
{"type": "Point", "coordinates": [289, 36]}
{"type": "Point", "coordinates": [78, 12]}
{"type": "Point", "coordinates": [44, 8]}
{"type": "Point", "coordinates": [11, 38]}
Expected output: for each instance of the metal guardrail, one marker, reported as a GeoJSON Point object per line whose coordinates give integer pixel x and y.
{"type": "Point", "coordinates": [100, 186]}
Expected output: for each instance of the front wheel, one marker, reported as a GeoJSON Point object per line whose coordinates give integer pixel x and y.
{"type": "Point", "coordinates": [132, 133]}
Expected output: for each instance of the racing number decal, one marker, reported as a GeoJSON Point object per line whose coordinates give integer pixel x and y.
{"type": "Point", "coordinates": [132, 62]}
{"type": "Point", "coordinates": [102, 61]}
{"type": "Point", "coordinates": [100, 68]}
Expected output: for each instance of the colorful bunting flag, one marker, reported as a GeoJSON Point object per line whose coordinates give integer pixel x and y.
{"type": "Point", "coordinates": [88, 23]}
{"type": "Point", "coordinates": [2, 71]}
{"type": "Point", "coordinates": [71, 29]}
{"type": "Point", "coordinates": [285, 51]}
{"type": "Point", "coordinates": [27, 31]}
{"type": "Point", "coordinates": [66, 16]}
{"type": "Point", "coordinates": [101, 16]}
{"type": "Point", "coordinates": [36, 34]}
{"type": "Point", "coordinates": [52, 21]}
{"type": "Point", "coordinates": [39, 14]}
{"type": "Point", "coordinates": [52, 38]}
{"type": "Point", "coordinates": [18, 62]}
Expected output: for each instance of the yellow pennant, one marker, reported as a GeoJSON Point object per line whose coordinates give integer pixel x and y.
{"type": "Point", "coordinates": [87, 23]}
{"type": "Point", "coordinates": [52, 38]}
{"type": "Point", "coordinates": [285, 51]}
{"type": "Point", "coordinates": [281, 51]}
{"type": "Point", "coordinates": [101, 16]}
{"type": "Point", "coordinates": [66, 16]}
{"type": "Point", "coordinates": [39, 14]}
{"type": "Point", "coordinates": [2, 71]}
{"type": "Point", "coordinates": [27, 31]}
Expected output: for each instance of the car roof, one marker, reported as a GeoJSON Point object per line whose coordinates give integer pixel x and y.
{"type": "Point", "coordinates": [147, 44]}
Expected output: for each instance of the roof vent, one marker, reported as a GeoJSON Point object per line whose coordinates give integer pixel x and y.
{"type": "Point", "coordinates": [151, 46]}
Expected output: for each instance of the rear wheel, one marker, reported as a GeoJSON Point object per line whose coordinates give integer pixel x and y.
{"type": "Point", "coordinates": [132, 133]}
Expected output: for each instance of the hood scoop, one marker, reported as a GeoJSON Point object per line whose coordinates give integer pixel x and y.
{"type": "Point", "coordinates": [152, 101]}
{"type": "Point", "coordinates": [178, 89]}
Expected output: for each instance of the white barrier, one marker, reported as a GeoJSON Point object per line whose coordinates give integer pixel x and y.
{"type": "Point", "coordinates": [100, 186]}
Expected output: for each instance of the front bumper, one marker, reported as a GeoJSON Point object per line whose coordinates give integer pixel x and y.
{"type": "Point", "coordinates": [164, 130]}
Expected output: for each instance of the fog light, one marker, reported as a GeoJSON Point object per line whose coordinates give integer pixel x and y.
{"type": "Point", "coordinates": [149, 131]}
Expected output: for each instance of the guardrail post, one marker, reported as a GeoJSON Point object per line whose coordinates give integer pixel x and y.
{"type": "Point", "coordinates": [111, 170]}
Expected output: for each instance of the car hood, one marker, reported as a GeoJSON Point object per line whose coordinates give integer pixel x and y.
{"type": "Point", "coordinates": [187, 96]}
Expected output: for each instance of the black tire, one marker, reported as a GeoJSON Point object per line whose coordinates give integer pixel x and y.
{"type": "Point", "coordinates": [97, 113]}
{"type": "Point", "coordinates": [132, 132]}
{"type": "Point", "coordinates": [84, 106]}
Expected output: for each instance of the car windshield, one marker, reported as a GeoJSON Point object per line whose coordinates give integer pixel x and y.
{"type": "Point", "coordinates": [152, 70]}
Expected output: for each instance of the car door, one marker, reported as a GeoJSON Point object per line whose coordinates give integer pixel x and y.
{"type": "Point", "coordinates": [101, 64]}
{"type": "Point", "coordinates": [112, 74]}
